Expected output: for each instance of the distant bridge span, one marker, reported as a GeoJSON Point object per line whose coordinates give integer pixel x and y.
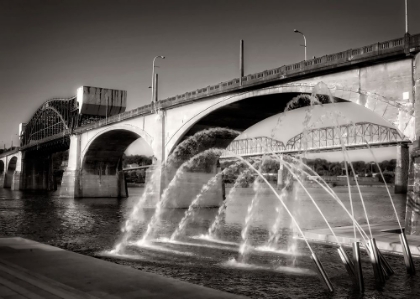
{"type": "Point", "coordinates": [379, 77]}
{"type": "Point", "coordinates": [325, 139]}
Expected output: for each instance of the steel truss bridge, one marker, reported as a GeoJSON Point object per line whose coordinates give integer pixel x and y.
{"type": "Point", "coordinates": [54, 117]}
{"type": "Point", "coordinates": [53, 122]}
{"type": "Point", "coordinates": [353, 136]}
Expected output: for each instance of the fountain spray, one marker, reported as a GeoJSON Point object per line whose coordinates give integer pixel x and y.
{"type": "Point", "coordinates": [313, 255]}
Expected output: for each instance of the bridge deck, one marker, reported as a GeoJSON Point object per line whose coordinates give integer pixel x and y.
{"type": "Point", "coordinates": [351, 58]}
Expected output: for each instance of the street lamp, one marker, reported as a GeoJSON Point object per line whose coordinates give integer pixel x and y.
{"type": "Point", "coordinates": [304, 38]}
{"type": "Point", "coordinates": [11, 139]}
{"type": "Point", "coordinates": [153, 77]}
{"type": "Point", "coordinates": [406, 16]}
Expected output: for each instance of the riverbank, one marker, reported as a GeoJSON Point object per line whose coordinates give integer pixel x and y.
{"type": "Point", "coordinates": [30, 269]}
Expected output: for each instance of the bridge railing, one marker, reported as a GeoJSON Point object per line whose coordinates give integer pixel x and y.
{"type": "Point", "coordinates": [116, 118]}
{"type": "Point", "coordinates": [349, 56]}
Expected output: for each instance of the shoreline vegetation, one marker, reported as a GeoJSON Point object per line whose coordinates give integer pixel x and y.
{"type": "Point", "coordinates": [333, 173]}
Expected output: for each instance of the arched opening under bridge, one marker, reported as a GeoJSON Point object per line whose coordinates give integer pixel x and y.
{"type": "Point", "coordinates": [1, 173]}
{"type": "Point", "coordinates": [102, 163]}
{"type": "Point", "coordinates": [247, 112]}
{"type": "Point", "coordinates": [8, 176]}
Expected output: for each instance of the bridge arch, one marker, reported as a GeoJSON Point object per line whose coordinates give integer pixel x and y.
{"type": "Point", "coordinates": [2, 174]}
{"type": "Point", "coordinates": [101, 160]}
{"type": "Point", "coordinates": [8, 176]}
{"type": "Point", "coordinates": [108, 145]}
{"type": "Point", "coordinates": [53, 117]}
{"type": "Point", "coordinates": [397, 115]}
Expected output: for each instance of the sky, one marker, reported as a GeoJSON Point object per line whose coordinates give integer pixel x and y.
{"type": "Point", "coordinates": [49, 48]}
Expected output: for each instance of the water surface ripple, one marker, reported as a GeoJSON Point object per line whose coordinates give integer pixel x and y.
{"type": "Point", "coordinates": [92, 227]}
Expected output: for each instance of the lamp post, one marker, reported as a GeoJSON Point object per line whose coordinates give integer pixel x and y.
{"type": "Point", "coordinates": [304, 38]}
{"type": "Point", "coordinates": [11, 139]}
{"type": "Point", "coordinates": [371, 167]}
{"type": "Point", "coordinates": [406, 16]}
{"type": "Point", "coordinates": [153, 77]}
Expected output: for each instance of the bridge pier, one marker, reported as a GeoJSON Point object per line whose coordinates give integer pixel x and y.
{"type": "Point", "coordinates": [11, 180]}
{"type": "Point", "coordinates": [70, 183]}
{"type": "Point", "coordinates": [11, 175]}
{"type": "Point", "coordinates": [16, 180]}
{"type": "Point", "coordinates": [102, 178]}
{"type": "Point", "coordinates": [2, 175]}
{"type": "Point", "coordinates": [412, 217]}
{"type": "Point", "coordinates": [38, 173]}
{"type": "Point", "coordinates": [401, 171]}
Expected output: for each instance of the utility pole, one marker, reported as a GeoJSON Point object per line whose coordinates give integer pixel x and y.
{"type": "Point", "coordinates": [241, 61]}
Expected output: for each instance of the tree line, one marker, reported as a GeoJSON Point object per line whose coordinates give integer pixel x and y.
{"type": "Point", "coordinates": [322, 167]}
{"type": "Point", "coordinates": [138, 175]}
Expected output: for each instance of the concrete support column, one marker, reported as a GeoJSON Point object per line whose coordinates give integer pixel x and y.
{"type": "Point", "coordinates": [16, 180]}
{"type": "Point", "coordinates": [222, 182]}
{"type": "Point", "coordinates": [158, 147]}
{"type": "Point", "coordinates": [70, 185]}
{"type": "Point", "coordinates": [413, 197]}
{"type": "Point", "coordinates": [412, 224]}
{"type": "Point", "coordinates": [280, 179]}
{"type": "Point", "coordinates": [2, 175]}
{"type": "Point", "coordinates": [122, 190]}
{"type": "Point", "coordinates": [401, 171]}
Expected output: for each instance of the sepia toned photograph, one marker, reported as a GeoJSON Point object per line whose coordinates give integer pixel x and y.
{"type": "Point", "coordinates": [197, 149]}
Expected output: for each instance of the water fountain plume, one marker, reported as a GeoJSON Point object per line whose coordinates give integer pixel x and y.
{"type": "Point", "coordinates": [313, 255]}
{"type": "Point", "coordinates": [349, 192]}
{"type": "Point", "coordinates": [195, 203]}
{"type": "Point", "coordinates": [155, 220]}
{"type": "Point", "coordinates": [322, 88]}
{"type": "Point", "coordinates": [289, 167]}
{"type": "Point", "coordinates": [294, 103]}
{"type": "Point", "coordinates": [244, 247]}
{"type": "Point", "coordinates": [274, 231]}
{"type": "Point", "coordinates": [326, 187]}
{"type": "Point", "coordinates": [386, 185]}
{"type": "Point", "coordinates": [212, 231]}
{"type": "Point", "coordinates": [408, 259]}
{"type": "Point", "coordinates": [199, 142]}
{"type": "Point", "coordinates": [278, 197]}
{"type": "Point", "coordinates": [296, 177]}
{"type": "Point", "coordinates": [360, 192]}
{"type": "Point", "coordinates": [138, 207]}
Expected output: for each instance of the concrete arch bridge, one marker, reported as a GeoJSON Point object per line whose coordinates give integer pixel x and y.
{"type": "Point", "coordinates": [77, 143]}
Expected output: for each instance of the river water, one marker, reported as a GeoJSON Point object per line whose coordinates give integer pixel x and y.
{"type": "Point", "coordinates": [92, 227]}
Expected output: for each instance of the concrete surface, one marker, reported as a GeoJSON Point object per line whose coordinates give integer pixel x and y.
{"type": "Point", "coordinates": [385, 240]}
{"type": "Point", "coordinates": [29, 269]}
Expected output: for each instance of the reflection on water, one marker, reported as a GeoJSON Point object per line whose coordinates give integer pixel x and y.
{"type": "Point", "coordinates": [92, 227]}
